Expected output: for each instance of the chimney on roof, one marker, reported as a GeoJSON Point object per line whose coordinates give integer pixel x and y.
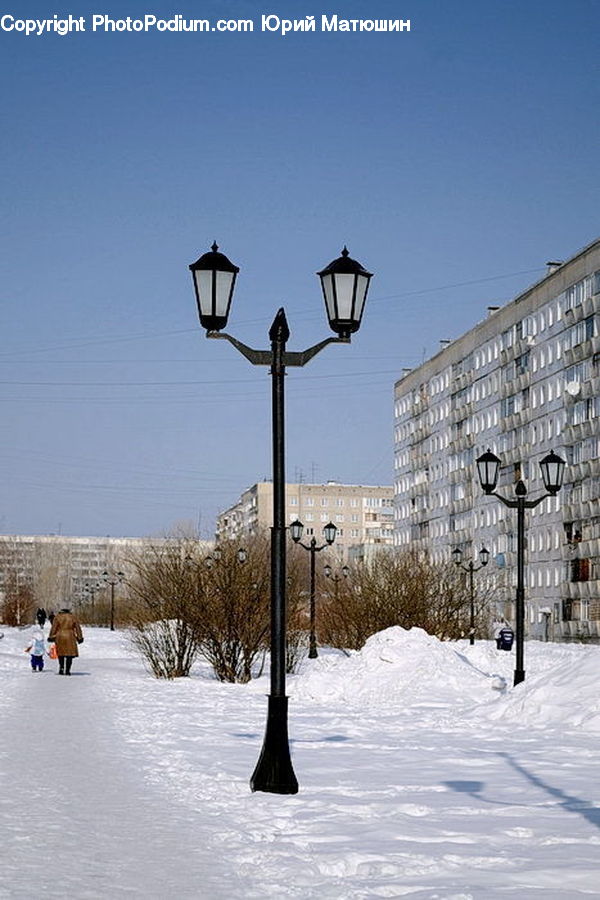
{"type": "Point", "coordinates": [492, 310]}
{"type": "Point", "coordinates": [444, 343]}
{"type": "Point", "coordinates": [553, 266]}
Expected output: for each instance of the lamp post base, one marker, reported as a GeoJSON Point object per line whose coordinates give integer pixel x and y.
{"type": "Point", "coordinates": [519, 676]}
{"type": "Point", "coordinates": [274, 773]}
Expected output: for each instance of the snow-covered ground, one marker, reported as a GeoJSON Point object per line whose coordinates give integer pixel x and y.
{"type": "Point", "coordinates": [419, 776]}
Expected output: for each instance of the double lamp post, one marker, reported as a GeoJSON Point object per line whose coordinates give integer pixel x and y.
{"type": "Point", "coordinates": [552, 469]}
{"type": "Point", "coordinates": [471, 568]}
{"type": "Point", "coordinates": [296, 529]}
{"type": "Point", "coordinates": [345, 284]}
{"type": "Point", "coordinates": [113, 580]}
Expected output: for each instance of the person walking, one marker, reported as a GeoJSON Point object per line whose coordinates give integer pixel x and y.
{"type": "Point", "coordinates": [41, 616]}
{"type": "Point", "coordinates": [66, 634]}
{"type": "Point", "coordinates": [37, 648]}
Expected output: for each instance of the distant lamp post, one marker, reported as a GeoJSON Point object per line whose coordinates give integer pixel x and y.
{"type": "Point", "coordinates": [345, 570]}
{"type": "Point", "coordinates": [488, 469]}
{"type": "Point", "coordinates": [471, 568]}
{"type": "Point", "coordinates": [92, 588]}
{"type": "Point", "coordinates": [296, 529]}
{"type": "Point", "coordinates": [345, 284]}
{"type": "Point", "coordinates": [113, 580]}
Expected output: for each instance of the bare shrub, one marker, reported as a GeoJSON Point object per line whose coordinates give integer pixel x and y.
{"type": "Point", "coordinates": [397, 588]}
{"type": "Point", "coordinates": [163, 609]}
{"type": "Point", "coordinates": [18, 604]}
{"type": "Point", "coordinates": [233, 609]}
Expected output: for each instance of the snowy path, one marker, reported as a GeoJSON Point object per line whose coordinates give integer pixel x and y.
{"type": "Point", "coordinates": [84, 823]}
{"type": "Point", "coordinates": [416, 779]}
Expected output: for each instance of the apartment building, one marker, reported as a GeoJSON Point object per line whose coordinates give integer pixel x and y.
{"type": "Point", "coordinates": [362, 514]}
{"type": "Point", "coordinates": [63, 567]}
{"type": "Point", "coordinates": [522, 382]}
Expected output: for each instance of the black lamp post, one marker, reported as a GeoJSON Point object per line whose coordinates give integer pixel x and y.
{"type": "Point", "coordinates": [471, 568]}
{"type": "Point", "coordinates": [296, 529]}
{"type": "Point", "coordinates": [552, 467]}
{"type": "Point", "coordinates": [91, 588]}
{"type": "Point", "coordinates": [336, 578]}
{"type": "Point", "coordinates": [112, 580]}
{"type": "Point", "coordinates": [345, 284]}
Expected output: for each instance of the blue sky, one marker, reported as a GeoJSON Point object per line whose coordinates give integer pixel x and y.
{"type": "Point", "coordinates": [454, 161]}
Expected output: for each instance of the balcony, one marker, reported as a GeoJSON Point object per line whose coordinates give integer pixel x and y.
{"type": "Point", "coordinates": [519, 347]}
{"type": "Point", "coordinates": [516, 384]}
{"type": "Point", "coordinates": [459, 475]}
{"type": "Point", "coordinates": [580, 471]}
{"type": "Point", "coordinates": [577, 313]}
{"type": "Point", "coordinates": [588, 549]}
{"type": "Point", "coordinates": [464, 442]}
{"type": "Point", "coordinates": [460, 506]}
{"type": "Point", "coordinates": [582, 430]}
{"type": "Point", "coordinates": [463, 411]}
{"type": "Point", "coordinates": [420, 490]}
{"type": "Point", "coordinates": [581, 351]}
{"type": "Point", "coordinates": [576, 631]}
{"type": "Point", "coordinates": [578, 509]}
{"type": "Point", "coordinates": [584, 590]}
{"type": "Point", "coordinates": [463, 380]}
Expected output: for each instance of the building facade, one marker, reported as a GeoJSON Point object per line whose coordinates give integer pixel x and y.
{"type": "Point", "coordinates": [362, 514]}
{"type": "Point", "coordinates": [65, 569]}
{"type": "Point", "coordinates": [524, 381]}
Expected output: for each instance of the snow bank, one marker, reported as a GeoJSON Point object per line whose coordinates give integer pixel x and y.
{"type": "Point", "coordinates": [395, 669]}
{"type": "Point", "coordinates": [399, 670]}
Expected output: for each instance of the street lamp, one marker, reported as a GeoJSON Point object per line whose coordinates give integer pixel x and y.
{"type": "Point", "coordinates": [112, 580]}
{"type": "Point", "coordinates": [91, 589]}
{"type": "Point", "coordinates": [471, 568]}
{"type": "Point", "coordinates": [209, 561]}
{"type": "Point", "coordinates": [336, 578]}
{"type": "Point", "coordinates": [296, 529]}
{"type": "Point", "coordinates": [345, 284]}
{"type": "Point", "coordinates": [552, 468]}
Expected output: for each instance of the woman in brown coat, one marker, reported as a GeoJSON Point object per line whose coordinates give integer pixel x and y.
{"type": "Point", "coordinates": [66, 633]}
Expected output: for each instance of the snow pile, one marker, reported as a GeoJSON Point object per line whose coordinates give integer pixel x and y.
{"type": "Point", "coordinates": [562, 693]}
{"type": "Point", "coordinates": [399, 670]}
{"type": "Point", "coordinates": [394, 670]}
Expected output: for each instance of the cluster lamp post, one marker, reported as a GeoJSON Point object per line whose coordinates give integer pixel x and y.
{"type": "Point", "coordinates": [296, 529]}
{"type": "Point", "coordinates": [488, 469]}
{"type": "Point", "coordinates": [113, 581]}
{"type": "Point", "coordinates": [471, 568]}
{"type": "Point", "coordinates": [345, 285]}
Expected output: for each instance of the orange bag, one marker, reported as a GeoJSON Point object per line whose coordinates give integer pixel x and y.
{"type": "Point", "coordinates": [52, 652]}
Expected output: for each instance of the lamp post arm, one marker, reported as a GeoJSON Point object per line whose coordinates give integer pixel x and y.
{"type": "Point", "coordinates": [531, 504]}
{"type": "Point", "coordinates": [470, 568]}
{"type": "Point", "coordinates": [304, 356]}
{"type": "Point", "coordinates": [520, 501]}
{"type": "Point", "coordinates": [310, 547]}
{"type": "Point", "coordinates": [265, 357]}
{"type": "Point", "coordinates": [256, 357]}
{"type": "Point", "coordinates": [513, 504]}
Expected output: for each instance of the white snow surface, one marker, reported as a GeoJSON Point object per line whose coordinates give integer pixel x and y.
{"type": "Point", "coordinates": [423, 773]}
